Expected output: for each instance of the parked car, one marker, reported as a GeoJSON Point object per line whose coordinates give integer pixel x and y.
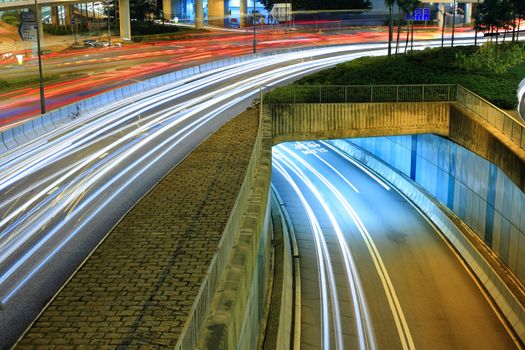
{"type": "Point", "coordinates": [90, 43]}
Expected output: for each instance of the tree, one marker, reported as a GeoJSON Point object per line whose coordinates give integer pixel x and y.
{"type": "Point", "coordinates": [390, 4]}
{"type": "Point", "coordinates": [268, 4]}
{"type": "Point", "coordinates": [493, 15]}
{"type": "Point", "coordinates": [408, 7]}
{"type": "Point", "coordinates": [400, 6]}
{"type": "Point", "coordinates": [141, 9]}
{"type": "Point", "coordinates": [518, 12]}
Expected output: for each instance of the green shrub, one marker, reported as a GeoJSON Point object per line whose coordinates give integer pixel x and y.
{"type": "Point", "coordinates": [458, 65]}
{"type": "Point", "coordinates": [492, 57]}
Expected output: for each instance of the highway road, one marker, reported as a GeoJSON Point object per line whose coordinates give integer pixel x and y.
{"type": "Point", "coordinates": [375, 274]}
{"type": "Point", "coordinates": [62, 193]}
{"type": "Point", "coordinates": [100, 69]}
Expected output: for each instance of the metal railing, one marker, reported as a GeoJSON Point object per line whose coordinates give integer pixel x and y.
{"type": "Point", "coordinates": [502, 121]}
{"type": "Point", "coordinates": [509, 126]}
{"type": "Point", "coordinates": [359, 93]}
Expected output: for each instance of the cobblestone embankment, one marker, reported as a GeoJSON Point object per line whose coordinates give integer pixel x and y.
{"type": "Point", "coordinates": [138, 286]}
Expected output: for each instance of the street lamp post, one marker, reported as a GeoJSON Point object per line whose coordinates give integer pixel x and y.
{"type": "Point", "coordinates": [254, 38]}
{"type": "Point", "coordinates": [38, 24]}
{"type": "Point", "coordinates": [453, 22]}
{"type": "Point", "coordinates": [109, 28]}
{"type": "Point", "coordinates": [476, 25]}
{"type": "Point", "coordinates": [443, 26]}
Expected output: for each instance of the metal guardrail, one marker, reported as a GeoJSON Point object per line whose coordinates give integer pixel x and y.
{"type": "Point", "coordinates": [359, 93]}
{"type": "Point", "coordinates": [509, 126]}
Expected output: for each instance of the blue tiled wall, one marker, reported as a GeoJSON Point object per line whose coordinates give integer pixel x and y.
{"type": "Point", "coordinates": [473, 188]}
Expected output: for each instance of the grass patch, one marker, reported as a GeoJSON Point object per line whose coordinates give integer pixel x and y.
{"type": "Point", "coordinates": [466, 66]}
{"type": "Point", "coordinates": [33, 81]}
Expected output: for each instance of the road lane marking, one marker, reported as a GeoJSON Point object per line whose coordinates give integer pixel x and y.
{"type": "Point", "coordinates": [364, 169]}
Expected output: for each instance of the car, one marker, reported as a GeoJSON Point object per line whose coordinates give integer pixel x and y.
{"type": "Point", "coordinates": [90, 43]}
{"type": "Point", "coordinates": [102, 44]}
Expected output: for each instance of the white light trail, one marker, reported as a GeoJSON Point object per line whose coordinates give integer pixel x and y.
{"type": "Point", "coordinates": [115, 138]}
{"type": "Point", "coordinates": [395, 306]}
{"type": "Point", "coordinates": [322, 259]}
{"type": "Point", "coordinates": [363, 323]}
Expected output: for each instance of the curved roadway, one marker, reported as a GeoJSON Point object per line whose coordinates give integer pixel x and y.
{"type": "Point", "coordinates": [374, 273]}
{"type": "Point", "coordinates": [62, 193]}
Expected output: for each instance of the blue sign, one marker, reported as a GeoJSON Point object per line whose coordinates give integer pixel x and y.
{"type": "Point", "coordinates": [419, 14]}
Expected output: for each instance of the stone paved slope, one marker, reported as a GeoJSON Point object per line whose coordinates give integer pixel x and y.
{"type": "Point", "coordinates": [138, 287]}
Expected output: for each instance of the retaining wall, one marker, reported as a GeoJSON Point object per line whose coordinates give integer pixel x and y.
{"type": "Point", "coordinates": [229, 308]}
{"type": "Point", "coordinates": [308, 121]}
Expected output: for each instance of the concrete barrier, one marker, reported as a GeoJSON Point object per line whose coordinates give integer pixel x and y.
{"type": "Point", "coordinates": [284, 331]}
{"type": "Point", "coordinates": [231, 288]}
{"type": "Point", "coordinates": [38, 126]}
{"type": "Point", "coordinates": [507, 302]}
{"type": "Point", "coordinates": [29, 130]}
{"type": "Point", "coordinates": [18, 134]}
{"type": "Point", "coordinates": [9, 139]}
{"type": "Point", "coordinates": [3, 146]}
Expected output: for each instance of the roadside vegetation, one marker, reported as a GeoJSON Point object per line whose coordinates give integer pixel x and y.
{"type": "Point", "coordinates": [492, 71]}
{"type": "Point", "coordinates": [9, 85]}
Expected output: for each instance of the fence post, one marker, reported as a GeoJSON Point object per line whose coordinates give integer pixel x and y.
{"type": "Point", "coordinates": [346, 93]}
{"type": "Point", "coordinates": [423, 94]}
{"type": "Point", "coordinates": [397, 93]}
{"type": "Point", "coordinates": [320, 98]}
{"type": "Point", "coordinates": [448, 93]}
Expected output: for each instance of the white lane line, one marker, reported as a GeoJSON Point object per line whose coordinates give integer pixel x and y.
{"type": "Point", "coordinates": [53, 190]}
{"type": "Point", "coordinates": [365, 170]}
{"type": "Point", "coordinates": [338, 173]}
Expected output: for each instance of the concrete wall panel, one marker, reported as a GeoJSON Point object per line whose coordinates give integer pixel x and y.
{"type": "Point", "coordinates": [38, 126]}
{"type": "Point", "coordinates": [18, 135]}
{"type": "Point", "coordinates": [29, 131]}
{"type": "Point", "coordinates": [9, 139]}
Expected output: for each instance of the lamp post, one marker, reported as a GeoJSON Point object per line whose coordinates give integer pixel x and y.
{"type": "Point", "coordinates": [38, 24]}
{"type": "Point", "coordinates": [254, 38]}
{"type": "Point", "coordinates": [109, 28]}
{"type": "Point", "coordinates": [443, 26]}
{"type": "Point", "coordinates": [453, 22]}
{"type": "Point", "coordinates": [476, 25]}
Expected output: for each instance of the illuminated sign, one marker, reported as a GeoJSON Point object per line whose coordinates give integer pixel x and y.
{"type": "Point", "coordinates": [419, 14]}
